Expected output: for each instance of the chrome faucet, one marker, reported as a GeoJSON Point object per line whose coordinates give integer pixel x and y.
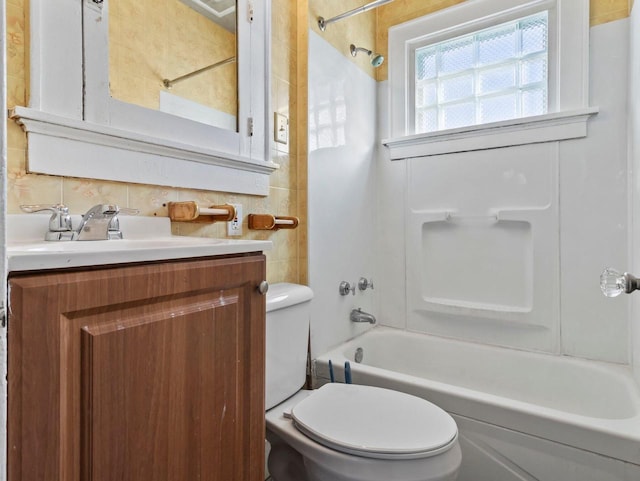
{"type": "Point", "coordinates": [99, 223]}
{"type": "Point", "coordinates": [59, 222]}
{"type": "Point", "coordinates": [358, 315]}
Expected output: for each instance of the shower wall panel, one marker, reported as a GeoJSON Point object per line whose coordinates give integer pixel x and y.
{"type": "Point", "coordinates": [483, 247]}
{"type": "Point", "coordinates": [342, 194]}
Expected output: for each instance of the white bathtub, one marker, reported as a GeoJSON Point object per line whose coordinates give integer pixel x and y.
{"type": "Point", "coordinates": [522, 415]}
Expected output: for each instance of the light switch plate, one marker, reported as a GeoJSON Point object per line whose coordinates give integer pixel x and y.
{"type": "Point", "coordinates": [280, 128]}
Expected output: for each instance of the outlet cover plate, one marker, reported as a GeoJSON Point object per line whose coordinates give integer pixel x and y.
{"type": "Point", "coordinates": [234, 227]}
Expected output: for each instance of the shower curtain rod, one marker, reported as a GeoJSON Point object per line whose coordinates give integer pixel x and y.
{"type": "Point", "coordinates": [170, 83]}
{"type": "Point", "coordinates": [322, 23]}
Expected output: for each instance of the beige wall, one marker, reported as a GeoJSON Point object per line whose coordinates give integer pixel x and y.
{"type": "Point", "coordinates": [151, 41]}
{"type": "Point", "coordinates": [287, 195]}
{"type": "Point", "coordinates": [603, 11]}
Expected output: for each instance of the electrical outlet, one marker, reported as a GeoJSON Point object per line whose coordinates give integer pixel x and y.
{"type": "Point", "coordinates": [280, 128]}
{"type": "Point", "coordinates": [234, 227]}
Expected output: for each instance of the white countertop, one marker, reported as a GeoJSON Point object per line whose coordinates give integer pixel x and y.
{"type": "Point", "coordinates": [145, 239]}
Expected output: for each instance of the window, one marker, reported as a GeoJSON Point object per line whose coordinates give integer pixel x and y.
{"type": "Point", "coordinates": [496, 74]}
{"type": "Point", "coordinates": [489, 73]}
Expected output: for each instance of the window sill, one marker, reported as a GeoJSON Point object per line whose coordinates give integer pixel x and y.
{"type": "Point", "coordinates": [530, 130]}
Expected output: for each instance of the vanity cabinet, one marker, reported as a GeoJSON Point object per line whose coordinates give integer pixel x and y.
{"type": "Point", "coordinates": [138, 372]}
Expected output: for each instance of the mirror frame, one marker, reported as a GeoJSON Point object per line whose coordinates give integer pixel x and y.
{"type": "Point", "coordinates": [75, 128]}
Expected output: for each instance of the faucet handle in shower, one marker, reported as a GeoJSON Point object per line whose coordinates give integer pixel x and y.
{"type": "Point", "coordinates": [345, 287]}
{"type": "Point", "coordinates": [364, 284]}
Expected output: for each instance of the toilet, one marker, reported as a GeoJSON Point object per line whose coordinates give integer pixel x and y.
{"type": "Point", "coordinates": [344, 432]}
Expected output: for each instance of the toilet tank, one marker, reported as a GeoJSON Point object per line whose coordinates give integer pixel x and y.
{"type": "Point", "coordinates": [287, 335]}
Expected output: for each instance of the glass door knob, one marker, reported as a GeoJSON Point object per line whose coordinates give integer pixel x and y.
{"type": "Point", "coordinates": [612, 283]}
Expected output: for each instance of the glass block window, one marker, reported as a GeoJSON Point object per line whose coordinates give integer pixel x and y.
{"type": "Point", "coordinates": [496, 74]}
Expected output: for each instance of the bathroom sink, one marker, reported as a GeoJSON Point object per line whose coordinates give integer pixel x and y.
{"type": "Point", "coordinates": [113, 245]}
{"type": "Point", "coordinates": [146, 239]}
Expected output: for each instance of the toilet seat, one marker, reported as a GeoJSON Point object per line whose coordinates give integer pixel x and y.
{"type": "Point", "coordinates": [374, 422]}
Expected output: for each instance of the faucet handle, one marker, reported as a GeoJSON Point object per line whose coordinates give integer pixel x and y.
{"type": "Point", "coordinates": [364, 284]}
{"type": "Point", "coordinates": [60, 220]}
{"type": "Point", "coordinates": [113, 230]}
{"type": "Point", "coordinates": [55, 208]}
{"type": "Point", "coordinates": [345, 287]}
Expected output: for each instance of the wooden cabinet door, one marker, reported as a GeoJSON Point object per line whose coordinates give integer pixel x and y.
{"type": "Point", "coordinates": [152, 372]}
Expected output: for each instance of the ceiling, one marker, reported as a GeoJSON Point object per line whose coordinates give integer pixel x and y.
{"type": "Point", "coordinates": [222, 12]}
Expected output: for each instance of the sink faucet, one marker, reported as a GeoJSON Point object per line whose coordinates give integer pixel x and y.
{"type": "Point", "coordinates": [59, 223]}
{"type": "Point", "coordinates": [358, 315]}
{"type": "Point", "coordinates": [99, 223]}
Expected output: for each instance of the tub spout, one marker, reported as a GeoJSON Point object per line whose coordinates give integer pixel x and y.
{"type": "Point", "coordinates": [358, 315]}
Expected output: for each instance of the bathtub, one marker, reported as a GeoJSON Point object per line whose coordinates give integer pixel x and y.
{"type": "Point", "coordinates": [521, 415]}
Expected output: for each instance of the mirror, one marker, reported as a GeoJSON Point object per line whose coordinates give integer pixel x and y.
{"type": "Point", "coordinates": [176, 56]}
{"type": "Point", "coordinates": [76, 128]}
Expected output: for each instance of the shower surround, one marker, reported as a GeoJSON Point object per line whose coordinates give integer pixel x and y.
{"type": "Point", "coordinates": [505, 246]}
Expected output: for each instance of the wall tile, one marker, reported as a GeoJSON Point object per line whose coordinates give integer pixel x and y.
{"type": "Point", "coordinates": [282, 272]}
{"type": "Point", "coordinates": [23, 188]}
{"type": "Point", "coordinates": [603, 11]}
{"type": "Point", "coordinates": [15, 40]}
{"type": "Point", "coordinates": [82, 194]}
{"type": "Point", "coordinates": [16, 91]}
{"type": "Point", "coordinates": [280, 59]}
{"type": "Point", "coordinates": [285, 176]}
{"type": "Point", "coordinates": [150, 200]}
{"type": "Point", "coordinates": [16, 137]}
{"type": "Point", "coordinates": [192, 229]}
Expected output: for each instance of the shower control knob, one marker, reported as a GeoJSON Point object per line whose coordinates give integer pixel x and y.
{"type": "Point", "coordinates": [364, 284]}
{"type": "Point", "coordinates": [345, 288]}
{"type": "Point", "coordinates": [263, 287]}
{"type": "Point", "coordinates": [612, 283]}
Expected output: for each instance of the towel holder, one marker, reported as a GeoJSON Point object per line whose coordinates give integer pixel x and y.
{"type": "Point", "coordinates": [271, 222]}
{"type": "Point", "coordinates": [190, 211]}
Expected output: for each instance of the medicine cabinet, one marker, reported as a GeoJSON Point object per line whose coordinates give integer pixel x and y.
{"type": "Point", "coordinates": [76, 128]}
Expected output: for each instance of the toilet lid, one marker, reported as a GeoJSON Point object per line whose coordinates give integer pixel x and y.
{"type": "Point", "coordinates": [374, 422]}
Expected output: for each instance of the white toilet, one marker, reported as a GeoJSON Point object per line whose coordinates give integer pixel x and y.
{"type": "Point", "coordinates": [344, 432]}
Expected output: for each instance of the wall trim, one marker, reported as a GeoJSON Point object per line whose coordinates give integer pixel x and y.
{"type": "Point", "coordinates": [48, 133]}
{"type": "Point", "coordinates": [522, 131]}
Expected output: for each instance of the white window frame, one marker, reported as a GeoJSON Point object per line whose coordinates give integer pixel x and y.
{"type": "Point", "coordinates": [568, 89]}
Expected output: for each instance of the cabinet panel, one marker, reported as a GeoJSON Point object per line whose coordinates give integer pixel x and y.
{"type": "Point", "coordinates": [138, 373]}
